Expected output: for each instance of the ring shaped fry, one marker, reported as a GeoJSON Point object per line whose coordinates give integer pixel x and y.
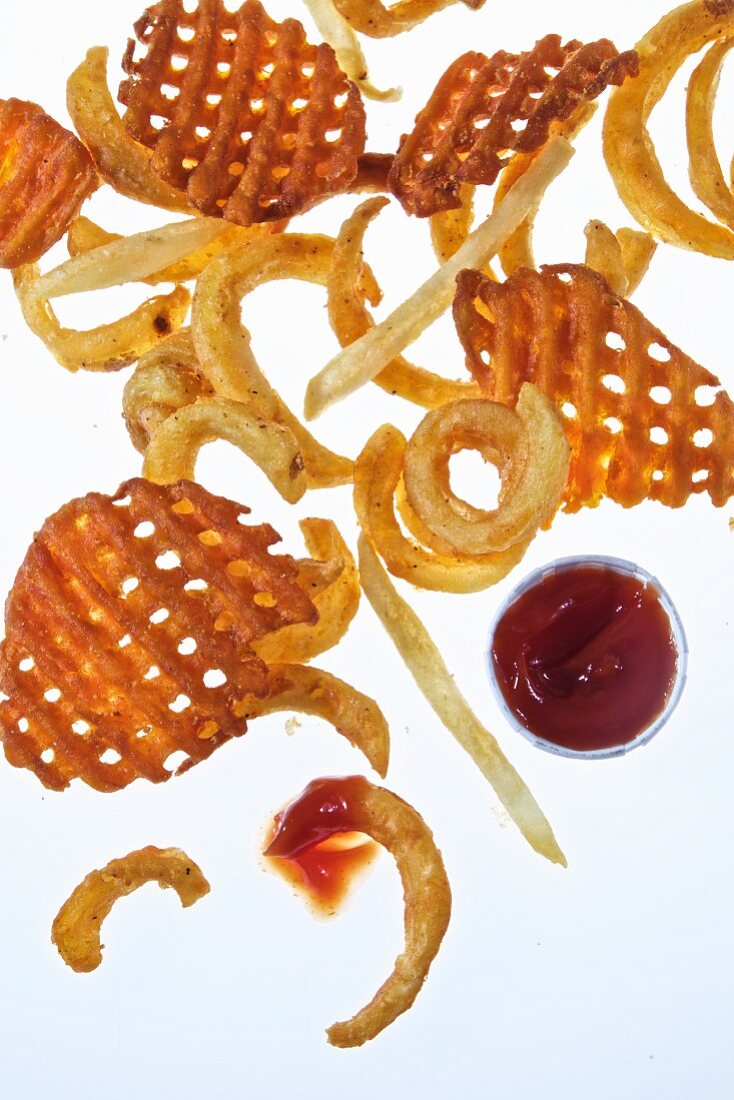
{"type": "Point", "coordinates": [78, 925]}
{"type": "Point", "coordinates": [336, 604]}
{"type": "Point", "coordinates": [427, 667]}
{"type": "Point", "coordinates": [335, 31]}
{"type": "Point", "coordinates": [377, 20]}
{"type": "Point", "coordinates": [107, 347]}
{"type": "Point", "coordinates": [223, 343]}
{"type": "Point", "coordinates": [314, 691]}
{"type": "Point", "coordinates": [628, 148]}
{"type": "Point", "coordinates": [704, 167]}
{"type": "Point", "coordinates": [350, 318]}
{"type": "Point", "coordinates": [352, 804]}
{"type": "Point", "coordinates": [120, 160]}
{"type": "Point", "coordinates": [174, 448]}
{"type": "Point", "coordinates": [376, 479]}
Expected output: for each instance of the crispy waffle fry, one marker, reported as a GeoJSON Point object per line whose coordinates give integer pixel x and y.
{"type": "Point", "coordinates": [628, 147]}
{"type": "Point", "coordinates": [335, 30]}
{"type": "Point", "coordinates": [223, 343]}
{"type": "Point", "coordinates": [313, 691]}
{"type": "Point", "coordinates": [108, 347]}
{"type": "Point", "coordinates": [174, 447]}
{"type": "Point", "coordinates": [350, 318]}
{"type": "Point", "coordinates": [45, 176]}
{"type": "Point", "coordinates": [366, 357]}
{"type": "Point", "coordinates": [328, 807]}
{"type": "Point", "coordinates": [704, 168]}
{"type": "Point", "coordinates": [257, 123]}
{"type": "Point", "coordinates": [485, 107]}
{"type": "Point", "coordinates": [128, 634]}
{"type": "Point", "coordinates": [424, 561]}
{"type": "Point", "coordinates": [621, 258]}
{"type": "Point", "coordinates": [167, 378]}
{"type": "Point", "coordinates": [427, 668]}
{"type": "Point", "coordinates": [643, 419]}
{"type": "Point", "coordinates": [77, 928]}
{"type": "Point", "coordinates": [336, 603]}
{"type": "Point", "coordinates": [120, 161]}
{"type": "Point", "coordinates": [378, 20]}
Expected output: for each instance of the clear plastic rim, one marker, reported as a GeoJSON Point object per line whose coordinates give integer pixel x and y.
{"type": "Point", "coordinates": [627, 568]}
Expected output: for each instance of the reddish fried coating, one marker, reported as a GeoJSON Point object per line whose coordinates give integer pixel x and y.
{"type": "Point", "coordinates": [128, 634]}
{"type": "Point", "coordinates": [241, 112]}
{"type": "Point", "coordinates": [45, 176]}
{"type": "Point", "coordinates": [484, 108]}
{"type": "Point", "coordinates": [643, 419]}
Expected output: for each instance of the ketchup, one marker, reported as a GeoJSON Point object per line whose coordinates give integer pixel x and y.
{"type": "Point", "coordinates": [315, 845]}
{"type": "Point", "coordinates": [586, 657]}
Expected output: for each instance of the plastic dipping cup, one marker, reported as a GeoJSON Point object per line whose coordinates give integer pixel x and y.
{"type": "Point", "coordinates": [625, 568]}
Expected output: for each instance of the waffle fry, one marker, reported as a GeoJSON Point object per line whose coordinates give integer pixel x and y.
{"type": "Point", "coordinates": [77, 927]}
{"type": "Point", "coordinates": [643, 419]}
{"type": "Point", "coordinates": [46, 176]}
{"type": "Point", "coordinates": [128, 634]}
{"type": "Point", "coordinates": [257, 123]}
{"type": "Point", "coordinates": [377, 20]}
{"type": "Point", "coordinates": [483, 108]}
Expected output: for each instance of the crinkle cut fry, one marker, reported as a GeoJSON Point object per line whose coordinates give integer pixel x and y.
{"type": "Point", "coordinates": [77, 926]}
{"type": "Point", "coordinates": [645, 419]}
{"type": "Point", "coordinates": [377, 20]}
{"type": "Point", "coordinates": [109, 623]}
{"type": "Point", "coordinates": [264, 125]}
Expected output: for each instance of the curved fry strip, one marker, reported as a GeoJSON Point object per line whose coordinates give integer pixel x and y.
{"type": "Point", "coordinates": [223, 343]}
{"type": "Point", "coordinates": [336, 604]}
{"type": "Point", "coordinates": [604, 254]}
{"type": "Point", "coordinates": [314, 691]}
{"type": "Point", "coordinates": [77, 928]}
{"type": "Point", "coordinates": [704, 168]}
{"type": "Point", "coordinates": [335, 31]}
{"type": "Point", "coordinates": [628, 147]}
{"type": "Point", "coordinates": [107, 347]}
{"type": "Point", "coordinates": [377, 20]}
{"type": "Point", "coordinates": [120, 160]}
{"type": "Point", "coordinates": [167, 378]}
{"type": "Point", "coordinates": [376, 480]}
{"type": "Point", "coordinates": [350, 318]}
{"type": "Point", "coordinates": [174, 448]}
{"type": "Point", "coordinates": [428, 669]}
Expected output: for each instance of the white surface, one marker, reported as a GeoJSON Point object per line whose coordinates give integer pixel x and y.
{"type": "Point", "coordinates": [612, 979]}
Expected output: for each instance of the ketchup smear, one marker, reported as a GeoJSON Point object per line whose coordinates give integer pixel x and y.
{"type": "Point", "coordinates": [315, 845]}
{"type": "Point", "coordinates": [586, 657]}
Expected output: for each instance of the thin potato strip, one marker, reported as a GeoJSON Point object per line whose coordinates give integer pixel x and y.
{"type": "Point", "coordinates": [335, 30]}
{"type": "Point", "coordinates": [377, 20]}
{"type": "Point", "coordinates": [174, 448]}
{"type": "Point", "coordinates": [704, 167]}
{"type": "Point", "coordinates": [350, 319]}
{"type": "Point", "coordinates": [78, 925]}
{"type": "Point", "coordinates": [120, 160]}
{"type": "Point", "coordinates": [427, 667]}
{"type": "Point", "coordinates": [107, 347]}
{"type": "Point", "coordinates": [314, 691]}
{"type": "Point", "coordinates": [604, 254]}
{"type": "Point", "coordinates": [336, 604]}
{"type": "Point", "coordinates": [628, 148]}
{"type": "Point", "coordinates": [362, 360]}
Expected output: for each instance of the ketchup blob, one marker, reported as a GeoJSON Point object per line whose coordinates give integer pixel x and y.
{"type": "Point", "coordinates": [586, 658]}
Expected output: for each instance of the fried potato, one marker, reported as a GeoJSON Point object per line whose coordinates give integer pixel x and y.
{"type": "Point", "coordinates": [335, 30]}
{"type": "Point", "coordinates": [483, 108]}
{"type": "Point", "coordinates": [366, 357]}
{"type": "Point", "coordinates": [352, 804]}
{"type": "Point", "coordinates": [378, 20]}
{"type": "Point", "coordinates": [129, 630]}
{"type": "Point", "coordinates": [427, 667]}
{"type": "Point", "coordinates": [621, 258]}
{"type": "Point", "coordinates": [282, 131]}
{"type": "Point", "coordinates": [77, 927]}
{"type": "Point", "coordinates": [107, 347]}
{"type": "Point", "coordinates": [45, 176]}
{"type": "Point", "coordinates": [643, 420]}
{"type": "Point", "coordinates": [166, 379]}
{"type": "Point", "coordinates": [704, 168]}
{"type": "Point", "coordinates": [628, 148]}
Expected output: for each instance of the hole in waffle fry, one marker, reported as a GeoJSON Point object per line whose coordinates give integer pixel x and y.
{"type": "Point", "coordinates": [144, 530]}
{"type": "Point", "coordinates": [614, 341]}
{"type": "Point", "coordinates": [658, 353]}
{"type": "Point", "coordinates": [196, 585]}
{"type": "Point", "coordinates": [52, 695]}
{"type": "Point", "coordinates": [176, 760]}
{"type": "Point", "coordinates": [704, 396]}
{"type": "Point", "coordinates": [48, 755]}
{"type": "Point", "coordinates": [27, 664]}
{"type": "Point", "coordinates": [569, 410]}
{"type": "Point", "coordinates": [699, 476]}
{"type": "Point", "coordinates": [169, 559]}
{"type": "Point", "coordinates": [110, 756]}
{"type": "Point", "coordinates": [187, 647]}
{"type": "Point", "coordinates": [24, 726]}
{"type": "Point", "coordinates": [661, 395]}
{"type": "Point", "coordinates": [129, 585]}
{"type": "Point", "coordinates": [153, 673]}
{"type": "Point", "coordinates": [614, 383]}
{"type": "Point", "coordinates": [179, 704]}
{"type": "Point", "coordinates": [81, 727]}
{"type": "Point", "coordinates": [126, 641]}
{"type": "Point", "coordinates": [159, 616]}
{"type": "Point", "coordinates": [214, 678]}
{"type": "Point", "coordinates": [613, 425]}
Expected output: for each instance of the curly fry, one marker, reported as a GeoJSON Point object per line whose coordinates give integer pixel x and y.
{"type": "Point", "coordinates": [335, 30]}
{"type": "Point", "coordinates": [377, 20]}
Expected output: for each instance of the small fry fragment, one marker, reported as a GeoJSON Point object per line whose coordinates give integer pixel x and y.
{"type": "Point", "coordinates": [621, 258]}
{"type": "Point", "coordinates": [377, 20]}
{"type": "Point", "coordinates": [366, 357]}
{"type": "Point", "coordinates": [45, 176]}
{"type": "Point", "coordinates": [77, 927]}
{"type": "Point", "coordinates": [108, 347]}
{"type": "Point", "coordinates": [335, 30]}
{"type": "Point", "coordinates": [166, 379]}
{"type": "Point", "coordinates": [329, 807]}
{"type": "Point", "coordinates": [638, 249]}
{"type": "Point", "coordinates": [430, 673]}
{"type": "Point", "coordinates": [704, 167]}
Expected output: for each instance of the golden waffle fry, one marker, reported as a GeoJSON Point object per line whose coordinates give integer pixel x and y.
{"type": "Point", "coordinates": [78, 925]}
{"type": "Point", "coordinates": [643, 419]}
{"type": "Point", "coordinates": [45, 176]}
{"type": "Point", "coordinates": [242, 113]}
{"type": "Point", "coordinates": [378, 20]}
{"type": "Point", "coordinates": [483, 108]}
{"type": "Point", "coordinates": [128, 634]}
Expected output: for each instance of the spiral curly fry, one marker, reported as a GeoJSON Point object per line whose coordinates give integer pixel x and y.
{"type": "Point", "coordinates": [335, 30]}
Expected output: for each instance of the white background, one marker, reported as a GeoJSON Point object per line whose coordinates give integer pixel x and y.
{"type": "Point", "coordinates": [611, 979]}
